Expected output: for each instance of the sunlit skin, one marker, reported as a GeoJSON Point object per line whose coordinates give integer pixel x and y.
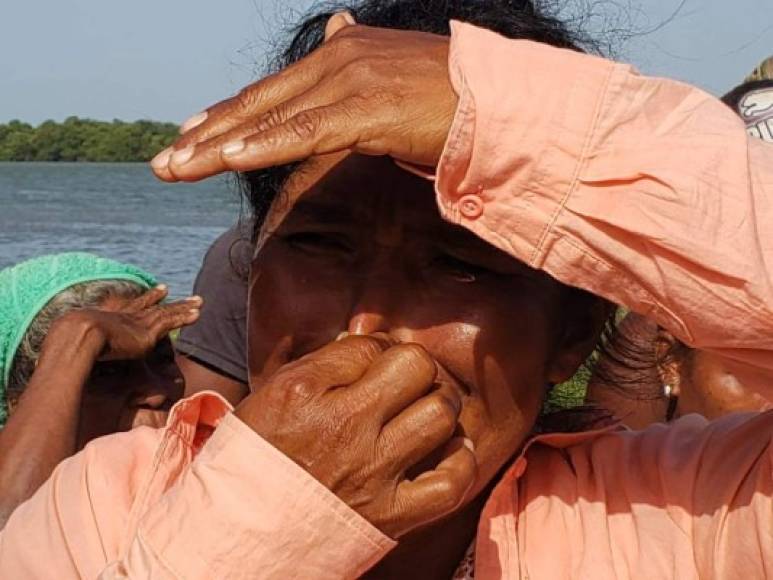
{"type": "Point", "coordinates": [699, 380]}
{"type": "Point", "coordinates": [714, 386]}
{"type": "Point", "coordinates": [364, 250]}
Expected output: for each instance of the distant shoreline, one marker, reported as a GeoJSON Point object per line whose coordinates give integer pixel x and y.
{"type": "Point", "coordinates": [79, 140]}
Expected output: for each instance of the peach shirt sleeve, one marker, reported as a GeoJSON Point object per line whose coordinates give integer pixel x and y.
{"type": "Point", "coordinates": [645, 191]}
{"type": "Point", "coordinates": [148, 504]}
{"type": "Point", "coordinates": [650, 193]}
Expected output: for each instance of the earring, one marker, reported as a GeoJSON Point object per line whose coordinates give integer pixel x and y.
{"type": "Point", "coordinates": [667, 390]}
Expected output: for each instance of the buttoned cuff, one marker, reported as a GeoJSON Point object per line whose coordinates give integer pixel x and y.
{"type": "Point", "coordinates": [522, 128]}
{"type": "Point", "coordinates": [245, 509]}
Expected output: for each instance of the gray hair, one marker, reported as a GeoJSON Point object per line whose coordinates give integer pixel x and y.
{"type": "Point", "coordinates": [83, 295]}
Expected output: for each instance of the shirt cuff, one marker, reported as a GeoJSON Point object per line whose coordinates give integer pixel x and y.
{"type": "Point", "coordinates": [244, 506]}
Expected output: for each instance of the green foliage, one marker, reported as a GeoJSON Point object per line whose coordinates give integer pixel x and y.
{"type": "Point", "coordinates": [84, 140]}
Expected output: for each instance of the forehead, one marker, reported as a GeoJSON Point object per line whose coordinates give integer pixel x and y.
{"type": "Point", "coordinates": [360, 192]}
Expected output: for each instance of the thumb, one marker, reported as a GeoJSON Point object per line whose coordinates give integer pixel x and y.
{"type": "Point", "coordinates": [336, 22]}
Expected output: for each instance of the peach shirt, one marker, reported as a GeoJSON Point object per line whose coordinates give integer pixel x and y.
{"type": "Point", "coordinates": [645, 191]}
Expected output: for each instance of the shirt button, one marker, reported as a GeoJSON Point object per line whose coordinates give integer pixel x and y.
{"type": "Point", "coordinates": [471, 206]}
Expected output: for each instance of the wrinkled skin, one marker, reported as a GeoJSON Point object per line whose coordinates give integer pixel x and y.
{"type": "Point", "coordinates": [369, 90]}
{"type": "Point", "coordinates": [365, 251]}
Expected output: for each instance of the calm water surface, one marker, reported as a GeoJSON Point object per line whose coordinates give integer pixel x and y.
{"type": "Point", "coordinates": [116, 210]}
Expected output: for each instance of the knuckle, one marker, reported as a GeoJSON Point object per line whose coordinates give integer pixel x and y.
{"type": "Point", "coordinates": [449, 491]}
{"type": "Point", "coordinates": [305, 125]}
{"type": "Point", "coordinates": [271, 118]}
{"type": "Point", "coordinates": [300, 388]}
{"type": "Point", "coordinates": [246, 98]}
{"type": "Point", "coordinates": [361, 71]}
{"type": "Point", "coordinates": [367, 346]}
{"type": "Point", "coordinates": [416, 357]}
{"type": "Point", "coordinates": [444, 413]}
{"type": "Point", "coordinates": [296, 384]}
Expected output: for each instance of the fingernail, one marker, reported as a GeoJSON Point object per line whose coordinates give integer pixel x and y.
{"type": "Point", "coordinates": [194, 121]}
{"type": "Point", "coordinates": [469, 444]}
{"type": "Point", "coordinates": [341, 336]}
{"type": "Point", "coordinates": [232, 148]}
{"type": "Point", "coordinates": [348, 17]}
{"type": "Point", "coordinates": [195, 299]}
{"type": "Point", "coordinates": [161, 287]}
{"type": "Point", "coordinates": [162, 159]}
{"type": "Point", "coordinates": [183, 155]}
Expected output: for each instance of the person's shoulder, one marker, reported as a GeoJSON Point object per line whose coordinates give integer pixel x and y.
{"type": "Point", "coordinates": [116, 465]}
{"type": "Point", "coordinates": [227, 260]}
{"type": "Point", "coordinates": [235, 239]}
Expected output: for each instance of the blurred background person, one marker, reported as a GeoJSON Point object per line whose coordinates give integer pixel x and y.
{"type": "Point", "coordinates": [84, 352]}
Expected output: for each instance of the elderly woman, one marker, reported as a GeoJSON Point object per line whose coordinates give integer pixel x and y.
{"type": "Point", "coordinates": [393, 452]}
{"type": "Point", "coordinates": [84, 352]}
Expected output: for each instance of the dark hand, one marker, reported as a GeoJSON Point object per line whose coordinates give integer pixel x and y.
{"type": "Point", "coordinates": [357, 415]}
{"type": "Point", "coordinates": [132, 330]}
{"type": "Point", "coordinates": [370, 90]}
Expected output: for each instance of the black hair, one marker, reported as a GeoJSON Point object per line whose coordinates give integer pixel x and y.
{"type": "Point", "coordinates": [519, 19]}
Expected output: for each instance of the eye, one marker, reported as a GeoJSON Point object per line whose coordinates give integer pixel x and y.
{"type": "Point", "coordinates": [105, 371]}
{"type": "Point", "coordinates": [458, 269]}
{"type": "Point", "coordinates": [318, 243]}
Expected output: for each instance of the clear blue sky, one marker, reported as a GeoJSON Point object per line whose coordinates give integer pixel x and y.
{"type": "Point", "coordinates": [166, 59]}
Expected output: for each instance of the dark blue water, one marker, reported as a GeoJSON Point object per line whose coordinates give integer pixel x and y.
{"type": "Point", "coordinates": [116, 210]}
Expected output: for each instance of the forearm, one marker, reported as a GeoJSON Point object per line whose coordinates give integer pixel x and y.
{"type": "Point", "coordinates": [247, 507]}
{"type": "Point", "coordinates": [42, 430]}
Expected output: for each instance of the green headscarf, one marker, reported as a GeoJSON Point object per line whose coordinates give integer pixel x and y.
{"type": "Point", "coordinates": [26, 288]}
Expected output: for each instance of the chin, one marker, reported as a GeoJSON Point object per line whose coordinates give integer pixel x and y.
{"type": "Point", "coordinates": [154, 418]}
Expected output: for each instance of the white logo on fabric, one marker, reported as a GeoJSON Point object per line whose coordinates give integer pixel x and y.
{"type": "Point", "coordinates": [757, 111]}
{"type": "Point", "coordinates": [757, 103]}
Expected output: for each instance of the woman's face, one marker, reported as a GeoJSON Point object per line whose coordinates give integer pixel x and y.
{"type": "Point", "coordinates": [359, 246]}
{"type": "Point", "coordinates": [121, 395]}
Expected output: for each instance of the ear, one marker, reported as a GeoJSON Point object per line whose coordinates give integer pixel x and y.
{"type": "Point", "coordinates": [667, 361]}
{"type": "Point", "coordinates": [580, 336]}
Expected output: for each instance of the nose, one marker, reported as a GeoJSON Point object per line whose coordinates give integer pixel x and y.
{"type": "Point", "coordinates": [158, 387]}
{"type": "Point", "coordinates": [374, 305]}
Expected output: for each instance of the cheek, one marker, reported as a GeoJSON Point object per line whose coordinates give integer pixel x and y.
{"type": "Point", "coordinates": [100, 413]}
{"type": "Point", "coordinates": [295, 307]}
{"type": "Point", "coordinates": [500, 354]}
